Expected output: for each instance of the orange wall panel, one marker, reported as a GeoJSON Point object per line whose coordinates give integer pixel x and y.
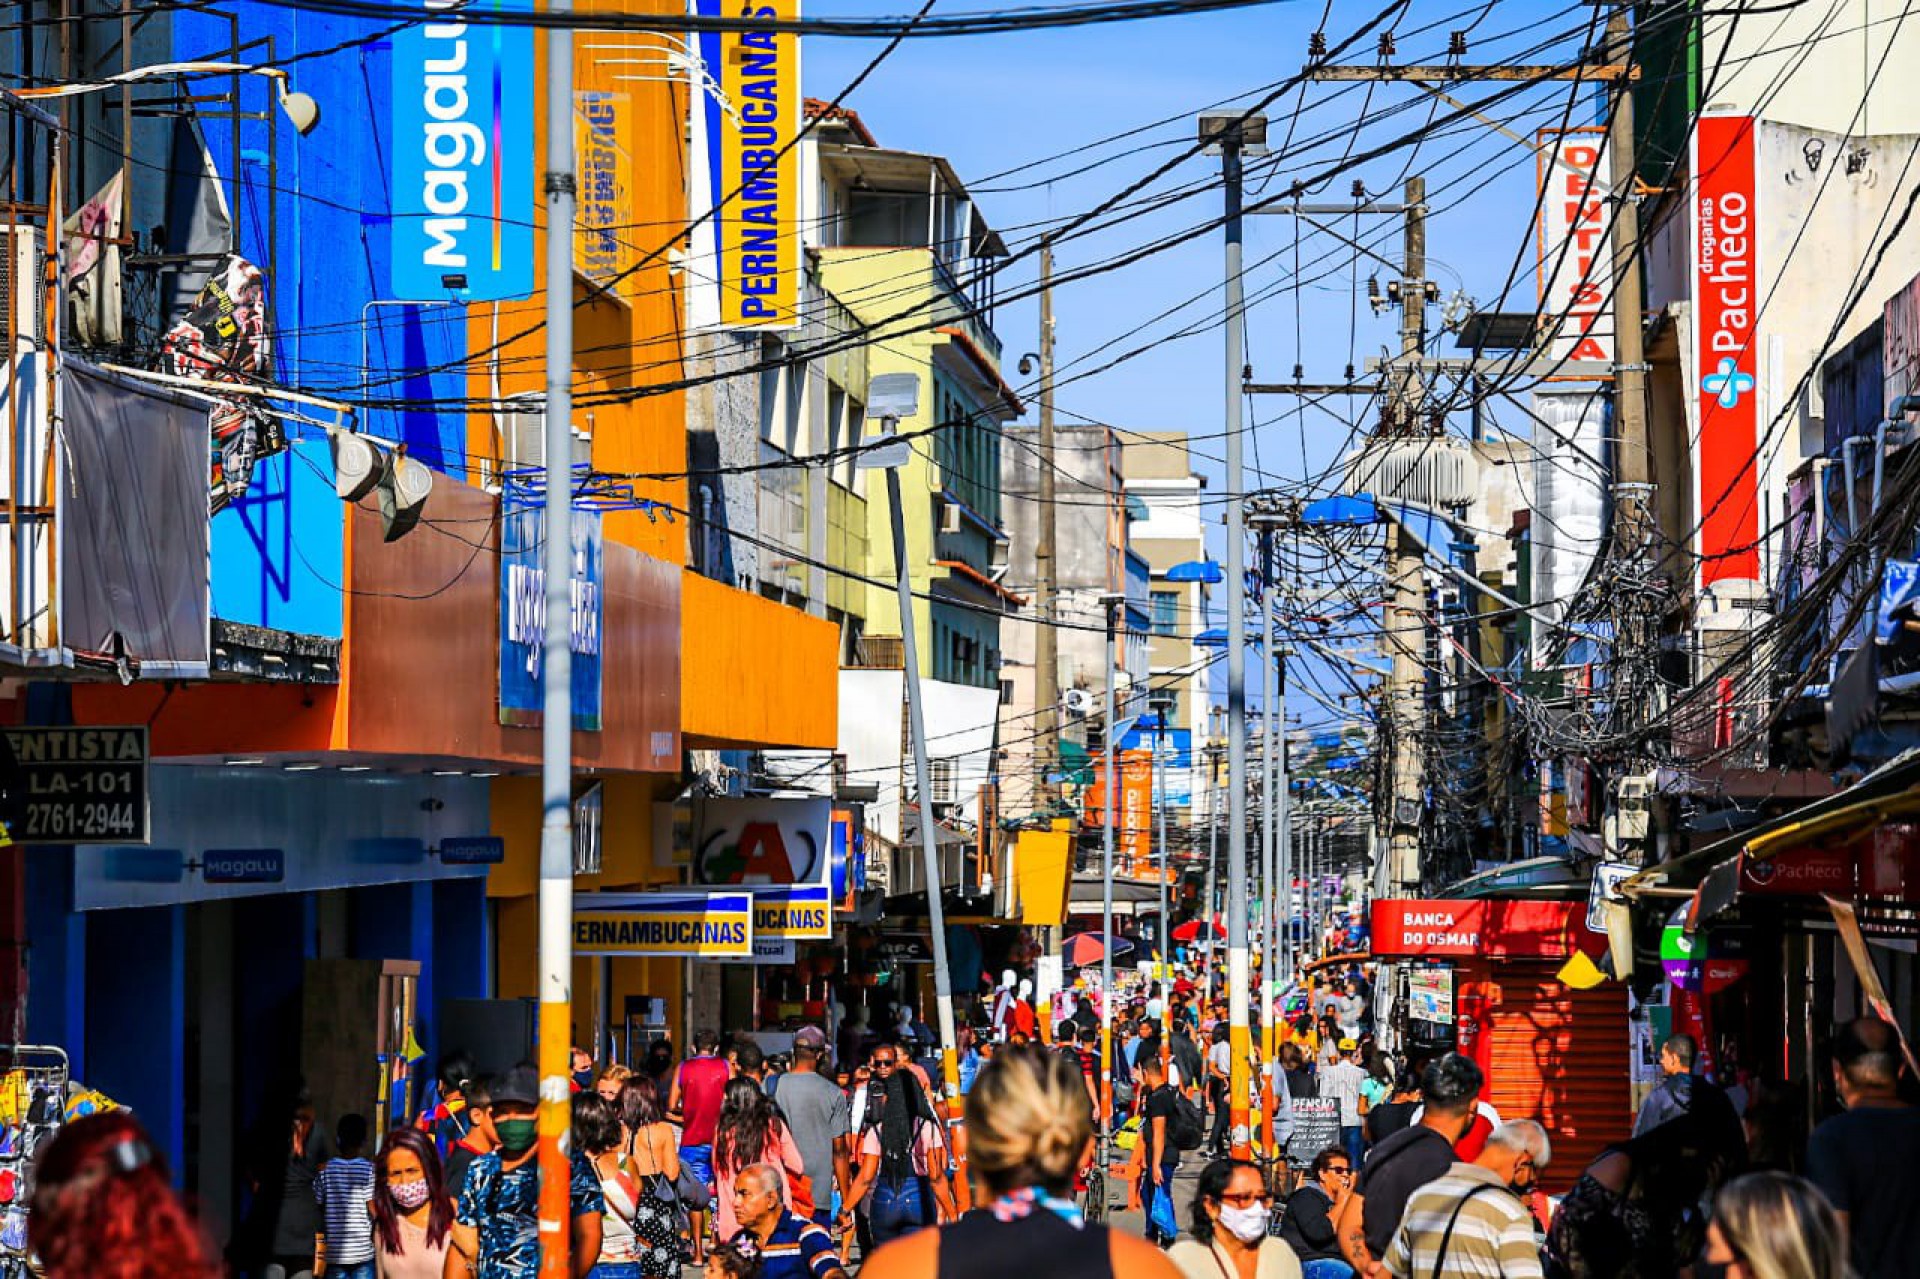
{"type": "Point", "coordinates": [753, 672]}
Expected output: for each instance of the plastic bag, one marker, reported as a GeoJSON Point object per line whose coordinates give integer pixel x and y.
{"type": "Point", "coordinates": [1160, 1215]}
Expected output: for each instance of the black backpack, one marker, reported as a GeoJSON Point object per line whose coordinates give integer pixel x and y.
{"type": "Point", "coordinates": [1186, 1126]}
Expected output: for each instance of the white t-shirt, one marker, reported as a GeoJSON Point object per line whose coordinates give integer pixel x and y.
{"type": "Point", "coordinates": [1342, 1081]}
{"type": "Point", "coordinates": [1220, 1057]}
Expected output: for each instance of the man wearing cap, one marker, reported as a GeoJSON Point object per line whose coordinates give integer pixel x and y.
{"type": "Point", "coordinates": [496, 1224]}
{"type": "Point", "coordinates": [817, 1115]}
{"type": "Point", "coordinates": [1342, 1081]}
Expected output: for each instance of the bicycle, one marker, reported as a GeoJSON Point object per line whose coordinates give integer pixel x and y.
{"type": "Point", "coordinates": [1093, 1194]}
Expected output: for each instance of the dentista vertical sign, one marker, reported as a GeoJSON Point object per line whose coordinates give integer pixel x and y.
{"type": "Point", "coordinates": [1726, 303]}
{"type": "Point", "coordinates": [757, 187]}
{"type": "Point", "coordinates": [463, 187]}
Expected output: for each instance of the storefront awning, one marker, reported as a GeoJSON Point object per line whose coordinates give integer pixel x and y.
{"type": "Point", "coordinates": [1088, 891]}
{"type": "Point", "coordinates": [1889, 791]}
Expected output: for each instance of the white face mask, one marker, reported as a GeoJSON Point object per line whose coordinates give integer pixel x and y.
{"type": "Point", "coordinates": [1249, 1225]}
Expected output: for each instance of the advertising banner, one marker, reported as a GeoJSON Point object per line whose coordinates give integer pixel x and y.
{"type": "Point", "coordinates": [1576, 257]}
{"type": "Point", "coordinates": [704, 925]}
{"type": "Point", "coordinates": [761, 844]}
{"type": "Point", "coordinates": [752, 170]}
{"type": "Point", "coordinates": [1726, 303]}
{"type": "Point", "coordinates": [462, 155]}
{"type": "Point", "coordinates": [604, 246]}
{"type": "Point", "coordinates": [523, 616]}
{"type": "Point", "coordinates": [805, 913]}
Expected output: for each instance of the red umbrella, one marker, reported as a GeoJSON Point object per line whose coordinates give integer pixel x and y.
{"type": "Point", "coordinates": [1083, 950]}
{"type": "Point", "coordinates": [1190, 931]}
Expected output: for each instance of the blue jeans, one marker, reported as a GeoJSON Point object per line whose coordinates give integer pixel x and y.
{"type": "Point", "coordinates": [615, 1270]}
{"type": "Point", "coordinates": [359, 1270]}
{"type": "Point", "coordinates": [1325, 1268]}
{"type": "Point", "coordinates": [1355, 1144]}
{"type": "Point", "coordinates": [1146, 1195]}
{"type": "Point", "coordinates": [900, 1210]}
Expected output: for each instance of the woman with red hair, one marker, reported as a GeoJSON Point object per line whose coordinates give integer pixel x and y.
{"type": "Point", "coordinates": [103, 1208]}
{"type": "Point", "coordinates": [411, 1211]}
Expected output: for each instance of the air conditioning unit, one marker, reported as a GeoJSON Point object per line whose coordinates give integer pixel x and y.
{"type": "Point", "coordinates": [23, 286]}
{"type": "Point", "coordinates": [523, 432]}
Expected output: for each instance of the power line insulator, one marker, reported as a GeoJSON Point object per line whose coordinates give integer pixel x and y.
{"type": "Point", "coordinates": [1317, 45]}
{"type": "Point", "coordinates": [1456, 44]}
{"type": "Point", "coordinates": [1386, 44]}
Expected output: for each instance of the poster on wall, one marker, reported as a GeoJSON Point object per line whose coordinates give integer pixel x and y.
{"type": "Point", "coordinates": [1430, 995]}
{"type": "Point", "coordinates": [762, 844]}
{"type": "Point", "coordinates": [462, 157]}
{"type": "Point", "coordinates": [1726, 305]}
{"type": "Point", "coordinates": [523, 617]}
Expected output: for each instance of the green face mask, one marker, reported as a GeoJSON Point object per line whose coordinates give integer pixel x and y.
{"type": "Point", "coordinates": [517, 1135]}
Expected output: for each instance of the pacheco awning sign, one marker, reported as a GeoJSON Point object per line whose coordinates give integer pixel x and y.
{"type": "Point", "coordinates": [698, 924]}
{"type": "Point", "coordinates": [793, 913]}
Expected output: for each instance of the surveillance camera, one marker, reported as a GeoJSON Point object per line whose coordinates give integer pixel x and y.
{"type": "Point", "coordinates": [1026, 366]}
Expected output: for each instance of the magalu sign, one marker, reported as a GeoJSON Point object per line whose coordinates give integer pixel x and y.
{"type": "Point", "coordinates": [1726, 305]}
{"type": "Point", "coordinates": [752, 169]}
{"type": "Point", "coordinates": [523, 617]}
{"type": "Point", "coordinates": [462, 156]}
{"type": "Point", "coordinates": [704, 925]}
{"type": "Point", "coordinates": [760, 844]}
{"type": "Point", "coordinates": [1576, 263]}
{"type": "Point", "coordinates": [804, 913]}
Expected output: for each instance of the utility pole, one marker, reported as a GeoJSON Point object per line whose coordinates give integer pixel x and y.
{"type": "Point", "coordinates": [1406, 614]}
{"type": "Point", "coordinates": [1046, 659]}
{"type": "Point", "coordinates": [1234, 134]}
{"type": "Point", "coordinates": [1112, 605]}
{"type": "Point", "coordinates": [1273, 719]}
{"type": "Point", "coordinates": [555, 903]}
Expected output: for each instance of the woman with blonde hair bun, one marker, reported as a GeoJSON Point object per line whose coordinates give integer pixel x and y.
{"type": "Point", "coordinates": [1029, 1131]}
{"type": "Point", "coordinates": [1773, 1225]}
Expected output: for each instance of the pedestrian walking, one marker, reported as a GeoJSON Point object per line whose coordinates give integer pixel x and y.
{"type": "Point", "coordinates": [478, 1139]}
{"type": "Point", "coordinates": [1773, 1225]}
{"type": "Point", "coordinates": [818, 1117]}
{"type": "Point", "coordinates": [1031, 1130]}
{"type": "Point", "coordinates": [1395, 1113]}
{"type": "Point", "coordinates": [496, 1221]}
{"type": "Point", "coordinates": [412, 1212]}
{"type": "Point", "coordinates": [608, 1084]}
{"type": "Point", "coordinates": [727, 1261]}
{"type": "Point", "coordinates": [1219, 1082]}
{"type": "Point", "coordinates": [1343, 1081]}
{"type": "Point", "coordinates": [694, 1103]}
{"type": "Point", "coordinates": [1474, 1223]}
{"type": "Point", "coordinates": [1407, 1161]}
{"type": "Point", "coordinates": [903, 1155]}
{"type": "Point", "coordinates": [1679, 1090]}
{"type": "Point", "coordinates": [342, 1189]}
{"type": "Point", "coordinates": [787, 1245]}
{"type": "Point", "coordinates": [286, 1214]}
{"type": "Point", "coordinates": [751, 1131]}
{"type": "Point", "coordinates": [597, 1134]}
{"type": "Point", "coordinates": [1160, 1154]}
{"type": "Point", "coordinates": [448, 1119]}
{"type": "Point", "coordinates": [104, 1205]}
{"type": "Point", "coordinates": [1307, 1223]}
{"type": "Point", "coordinates": [1866, 1160]}
{"type": "Point", "coordinates": [1637, 1210]}
{"type": "Point", "coordinates": [1231, 1211]}
{"type": "Point", "coordinates": [653, 1156]}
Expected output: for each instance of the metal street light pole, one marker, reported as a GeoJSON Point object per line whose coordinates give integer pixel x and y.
{"type": "Point", "coordinates": [1112, 792]}
{"type": "Point", "coordinates": [555, 903]}
{"type": "Point", "coordinates": [1234, 134]}
{"type": "Point", "coordinates": [1160, 706]}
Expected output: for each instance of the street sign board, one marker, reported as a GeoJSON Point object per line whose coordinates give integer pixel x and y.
{"type": "Point", "coordinates": [75, 785]}
{"type": "Point", "coordinates": [1316, 1126]}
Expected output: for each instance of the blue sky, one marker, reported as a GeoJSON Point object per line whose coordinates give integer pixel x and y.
{"type": "Point", "coordinates": [995, 102]}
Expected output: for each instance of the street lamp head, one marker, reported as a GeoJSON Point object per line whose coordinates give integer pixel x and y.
{"type": "Point", "coordinates": [302, 111]}
{"type": "Point", "coordinates": [1245, 131]}
{"type": "Point", "coordinates": [1026, 365]}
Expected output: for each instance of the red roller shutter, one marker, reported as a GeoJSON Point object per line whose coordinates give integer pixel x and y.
{"type": "Point", "coordinates": [1550, 1053]}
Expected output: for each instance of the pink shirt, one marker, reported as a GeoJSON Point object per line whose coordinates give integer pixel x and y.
{"type": "Point", "coordinates": [783, 1154]}
{"type": "Point", "coordinates": [928, 1149]}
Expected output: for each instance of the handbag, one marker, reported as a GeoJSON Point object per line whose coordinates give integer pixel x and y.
{"type": "Point", "coordinates": [1161, 1214]}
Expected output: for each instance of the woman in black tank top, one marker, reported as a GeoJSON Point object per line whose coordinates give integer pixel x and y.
{"type": "Point", "coordinates": [1029, 1130]}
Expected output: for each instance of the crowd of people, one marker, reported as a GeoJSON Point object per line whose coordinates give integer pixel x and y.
{"type": "Point", "coordinates": [791, 1169]}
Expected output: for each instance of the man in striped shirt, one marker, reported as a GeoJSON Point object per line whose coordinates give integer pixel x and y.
{"type": "Point", "coordinates": [343, 1187]}
{"type": "Point", "coordinates": [1473, 1222]}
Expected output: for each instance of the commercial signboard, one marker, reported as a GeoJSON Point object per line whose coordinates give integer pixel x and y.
{"type": "Point", "coordinates": [1801, 872]}
{"type": "Point", "coordinates": [774, 951]}
{"type": "Point", "coordinates": [760, 844]}
{"type": "Point", "coordinates": [523, 616]}
{"type": "Point", "coordinates": [605, 249]}
{"type": "Point", "coordinates": [473, 850]}
{"type": "Point", "coordinates": [793, 913]}
{"type": "Point", "coordinates": [462, 156]}
{"type": "Point", "coordinates": [1576, 258]}
{"type": "Point", "coordinates": [243, 865]}
{"type": "Point", "coordinates": [1494, 929]}
{"type": "Point", "coordinates": [704, 925]}
{"type": "Point", "coordinates": [76, 785]}
{"type": "Point", "coordinates": [752, 168]}
{"type": "Point", "coordinates": [1726, 305]}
